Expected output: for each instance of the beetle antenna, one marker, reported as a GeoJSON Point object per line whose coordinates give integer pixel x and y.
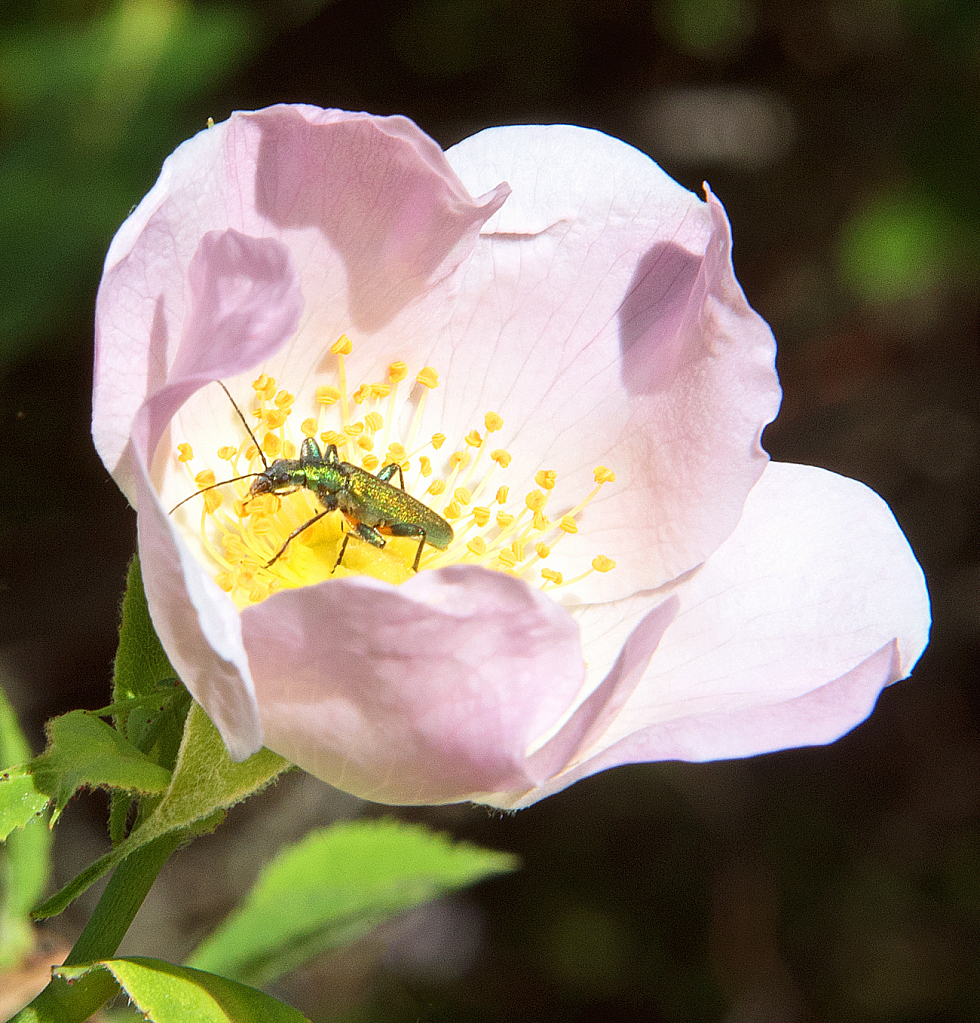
{"type": "Point", "coordinates": [248, 430]}
{"type": "Point", "coordinates": [213, 486]}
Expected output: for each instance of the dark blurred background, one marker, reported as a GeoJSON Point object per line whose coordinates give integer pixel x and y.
{"type": "Point", "coordinates": [829, 884]}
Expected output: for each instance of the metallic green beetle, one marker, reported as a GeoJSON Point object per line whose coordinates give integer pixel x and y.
{"type": "Point", "coordinates": [368, 502]}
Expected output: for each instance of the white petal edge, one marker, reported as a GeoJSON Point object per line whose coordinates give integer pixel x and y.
{"type": "Point", "coordinates": [817, 589]}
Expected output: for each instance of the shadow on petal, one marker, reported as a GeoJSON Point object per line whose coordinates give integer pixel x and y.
{"type": "Point", "coordinates": [652, 316]}
{"type": "Point", "coordinates": [593, 716]}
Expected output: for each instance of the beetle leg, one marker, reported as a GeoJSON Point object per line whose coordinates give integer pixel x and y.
{"type": "Point", "coordinates": [367, 533]}
{"type": "Point", "coordinates": [409, 529]}
{"type": "Point", "coordinates": [292, 536]}
{"type": "Point", "coordinates": [386, 472]}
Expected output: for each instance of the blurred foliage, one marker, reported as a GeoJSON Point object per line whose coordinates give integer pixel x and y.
{"type": "Point", "coordinates": [706, 28]}
{"type": "Point", "coordinates": [901, 247]}
{"type": "Point", "coordinates": [92, 95]}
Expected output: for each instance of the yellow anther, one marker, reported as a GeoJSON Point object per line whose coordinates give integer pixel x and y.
{"type": "Point", "coordinates": [308, 426]}
{"type": "Point", "coordinates": [481, 515]}
{"type": "Point", "coordinates": [380, 390]}
{"type": "Point", "coordinates": [502, 494]}
{"type": "Point", "coordinates": [397, 453]}
{"type": "Point", "coordinates": [477, 546]}
{"type": "Point", "coordinates": [205, 478]}
{"type": "Point", "coordinates": [603, 564]}
{"type": "Point", "coordinates": [506, 557]}
{"type": "Point", "coordinates": [354, 429]}
{"type": "Point", "coordinates": [463, 495]}
{"type": "Point", "coordinates": [342, 346]}
{"type": "Point", "coordinates": [493, 421]}
{"type": "Point", "coordinates": [452, 510]}
{"type": "Point", "coordinates": [227, 452]}
{"type": "Point", "coordinates": [365, 443]}
{"type": "Point", "coordinates": [327, 395]}
{"type": "Point", "coordinates": [542, 549]}
{"type": "Point", "coordinates": [212, 501]}
{"type": "Point", "coordinates": [265, 386]}
{"type": "Point", "coordinates": [284, 399]}
{"type": "Point", "coordinates": [551, 576]}
{"type": "Point", "coordinates": [332, 437]}
{"type": "Point", "coordinates": [459, 458]}
{"type": "Point", "coordinates": [373, 421]}
{"type": "Point", "coordinates": [184, 452]}
{"type": "Point", "coordinates": [474, 439]}
{"type": "Point", "coordinates": [428, 377]}
{"type": "Point", "coordinates": [535, 500]}
{"type": "Point", "coordinates": [517, 548]}
{"type": "Point", "coordinates": [604, 475]}
{"type": "Point", "coordinates": [370, 462]}
{"type": "Point", "coordinates": [438, 439]}
{"type": "Point", "coordinates": [397, 372]}
{"type": "Point", "coordinates": [362, 394]}
{"type": "Point", "coordinates": [501, 457]}
{"type": "Point", "coordinates": [275, 418]}
{"type": "Point", "coordinates": [263, 504]}
{"type": "Point", "coordinates": [288, 449]}
{"type": "Point", "coordinates": [568, 524]}
{"type": "Point", "coordinates": [240, 509]}
{"type": "Point", "coordinates": [546, 478]}
{"type": "Point", "coordinates": [271, 445]}
{"type": "Point", "coordinates": [436, 487]}
{"type": "Point", "coordinates": [251, 452]}
{"type": "Point", "coordinates": [541, 521]}
{"type": "Point", "coordinates": [504, 519]}
{"type": "Point", "coordinates": [425, 465]}
{"type": "Point", "coordinates": [224, 581]}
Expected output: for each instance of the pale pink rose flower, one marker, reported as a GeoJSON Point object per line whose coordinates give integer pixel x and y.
{"type": "Point", "coordinates": [589, 302]}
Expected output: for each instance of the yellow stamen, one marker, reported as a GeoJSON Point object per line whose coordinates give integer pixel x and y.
{"type": "Point", "coordinates": [242, 536]}
{"type": "Point", "coordinates": [341, 347]}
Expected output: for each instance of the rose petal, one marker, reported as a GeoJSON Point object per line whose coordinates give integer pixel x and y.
{"type": "Point", "coordinates": [785, 636]}
{"type": "Point", "coordinates": [424, 693]}
{"type": "Point", "coordinates": [244, 294]}
{"type": "Point", "coordinates": [377, 234]}
{"type": "Point", "coordinates": [601, 318]}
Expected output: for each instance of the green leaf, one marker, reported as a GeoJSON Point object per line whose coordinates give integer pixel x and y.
{"type": "Point", "coordinates": [140, 660]}
{"type": "Point", "coordinates": [334, 886]}
{"type": "Point", "coordinates": [13, 743]}
{"type": "Point", "coordinates": [143, 672]}
{"type": "Point", "coordinates": [84, 751]}
{"type": "Point", "coordinates": [205, 782]}
{"type": "Point", "coordinates": [25, 860]}
{"type": "Point", "coordinates": [175, 994]}
{"type": "Point", "coordinates": [20, 801]}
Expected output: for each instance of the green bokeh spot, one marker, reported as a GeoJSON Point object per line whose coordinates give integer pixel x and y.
{"type": "Point", "coordinates": [706, 28]}
{"type": "Point", "coordinates": [897, 247]}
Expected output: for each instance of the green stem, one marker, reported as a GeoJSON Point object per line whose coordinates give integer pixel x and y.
{"type": "Point", "coordinates": [123, 896]}
{"type": "Point", "coordinates": [60, 1002]}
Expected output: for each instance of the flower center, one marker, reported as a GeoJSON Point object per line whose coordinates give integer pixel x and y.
{"type": "Point", "coordinates": [298, 514]}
